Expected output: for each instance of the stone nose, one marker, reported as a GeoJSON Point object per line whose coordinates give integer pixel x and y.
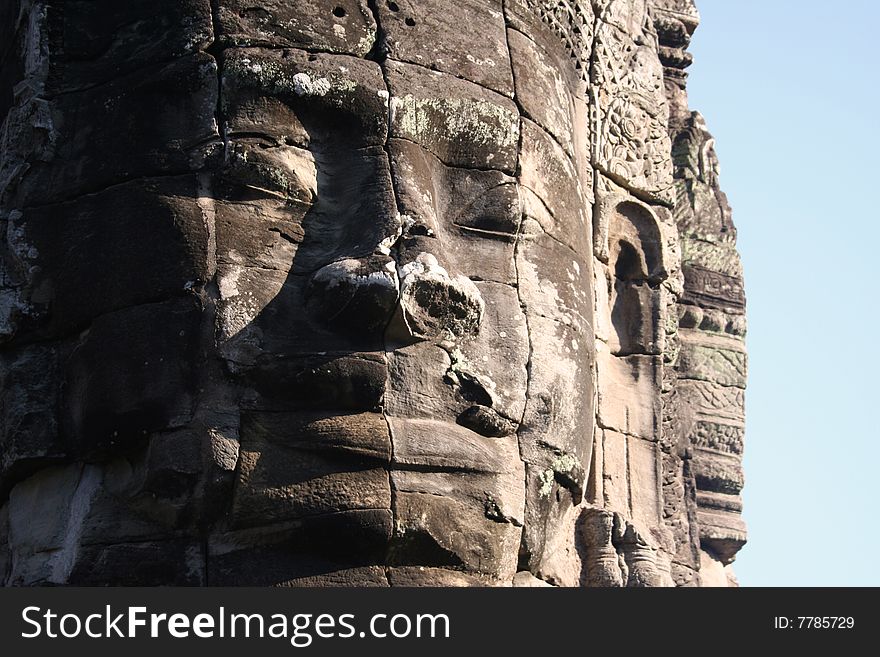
{"type": "Point", "coordinates": [354, 295]}
{"type": "Point", "coordinates": [418, 300]}
{"type": "Point", "coordinates": [435, 304]}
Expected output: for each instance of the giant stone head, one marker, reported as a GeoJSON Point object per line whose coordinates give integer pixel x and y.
{"type": "Point", "coordinates": [341, 293]}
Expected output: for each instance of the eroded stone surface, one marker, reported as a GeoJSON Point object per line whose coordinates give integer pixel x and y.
{"type": "Point", "coordinates": [341, 26]}
{"type": "Point", "coordinates": [473, 47]}
{"type": "Point", "coordinates": [632, 143]}
{"type": "Point", "coordinates": [349, 293]}
{"type": "Point", "coordinates": [462, 123]}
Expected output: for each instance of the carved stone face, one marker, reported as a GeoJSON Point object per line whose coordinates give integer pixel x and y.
{"type": "Point", "coordinates": [328, 316]}
{"type": "Point", "coordinates": [404, 279]}
{"type": "Point", "coordinates": [338, 326]}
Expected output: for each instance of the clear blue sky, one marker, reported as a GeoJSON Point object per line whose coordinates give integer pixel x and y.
{"type": "Point", "coordinates": [791, 91]}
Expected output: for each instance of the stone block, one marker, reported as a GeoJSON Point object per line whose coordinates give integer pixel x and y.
{"type": "Point", "coordinates": [644, 482]}
{"type": "Point", "coordinates": [467, 218]}
{"type": "Point", "coordinates": [340, 26]}
{"type": "Point", "coordinates": [179, 562]}
{"type": "Point", "coordinates": [723, 363]}
{"type": "Point", "coordinates": [360, 436]}
{"type": "Point", "coordinates": [713, 289]}
{"type": "Point", "coordinates": [465, 39]}
{"type": "Point", "coordinates": [712, 399]}
{"type": "Point", "coordinates": [615, 472]}
{"type": "Point", "coordinates": [565, 27]}
{"type": "Point", "coordinates": [335, 549]}
{"type": "Point", "coordinates": [722, 533]}
{"type": "Point", "coordinates": [298, 99]}
{"type": "Point", "coordinates": [308, 467]}
{"type": "Point", "coordinates": [595, 493]}
{"type": "Point", "coordinates": [146, 124]}
{"type": "Point", "coordinates": [98, 41]}
{"type": "Point", "coordinates": [417, 388]}
{"type": "Point", "coordinates": [315, 381]}
{"type": "Point", "coordinates": [434, 444]}
{"type": "Point", "coordinates": [629, 394]}
{"type": "Point", "coordinates": [545, 87]}
{"type": "Point", "coordinates": [134, 373]}
{"type": "Point", "coordinates": [462, 123]}
{"type": "Point", "coordinates": [440, 531]}
{"type": "Point", "coordinates": [422, 576]}
{"type": "Point", "coordinates": [718, 472]}
{"type": "Point", "coordinates": [718, 258]}
{"type": "Point", "coordinates": [41, 524]}
{"type": "Point", "coordinates": [716, 436]}
{"type": "Point", "coordinates": [524, 579]}
{"type": "Point", "coordinates": [30, 387]}
{"type": "Point", "coordinates": [547, 172]}
{"type": "Point", "coordinates": [134, 243]}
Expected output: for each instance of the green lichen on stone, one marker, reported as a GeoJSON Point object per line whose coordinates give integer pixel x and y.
{"type": "Point", "coordinates": [483, 122]}
{"type": "Point", "coordinates": [546, 478]}
{"type": "Point", "coordinates": [564, 464]}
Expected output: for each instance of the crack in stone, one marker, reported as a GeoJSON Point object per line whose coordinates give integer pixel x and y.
{"type": "Point", "coordinates": [377, 53]}
{"type": "Point", "coordinates": [523, 551]}
{"type": "Point", "coordinates": [110, 186]}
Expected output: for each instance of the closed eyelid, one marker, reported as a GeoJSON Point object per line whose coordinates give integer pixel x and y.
{"type": "Point", "coordinates": [286, 172]}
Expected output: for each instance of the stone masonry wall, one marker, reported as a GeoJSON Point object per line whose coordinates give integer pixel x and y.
{"type": "Point", "coordinates": [350, 292]}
